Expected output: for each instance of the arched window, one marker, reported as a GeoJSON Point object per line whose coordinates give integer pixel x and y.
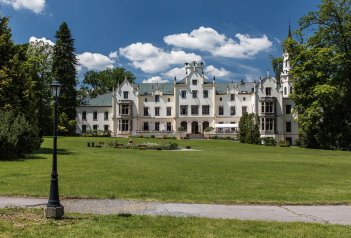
{"type": "Point", "coordinates": [291, 89]}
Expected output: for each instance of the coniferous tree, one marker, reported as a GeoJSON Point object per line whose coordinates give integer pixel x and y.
{"type": "Point", "coordinates": [64, 71]}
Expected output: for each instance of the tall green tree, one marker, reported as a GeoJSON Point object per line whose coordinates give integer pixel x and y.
{"type": "Point", "coordinates": [39, 68]}
{"type": "Point", "coordinates": [321, 73]}
{"type": "Point", "coordinates": [64, 71]}
{"type": "Point", "coordinates": [249, 131]}
{"type": "Point", "coordinates": [97, 83]}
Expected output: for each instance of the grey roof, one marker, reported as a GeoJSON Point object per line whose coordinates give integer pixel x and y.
{"type": "Point", "coordinates": [147, 88]}
{"type": "Point", "coordinates": [104, 100]}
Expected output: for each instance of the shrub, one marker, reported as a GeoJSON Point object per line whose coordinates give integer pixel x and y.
{"type": "Point", "coordinates": [152, 136]}
{"type": "Point", "coordinates": [284, 143]}
{"type": "Point", "coordinates": [188, 147]}
{"type": "Point", "coordinates": [165, 137]}
{"type": "Point", "coordinates": [269, 141]}
{"type": "Point", "coordinates": [17, 136]}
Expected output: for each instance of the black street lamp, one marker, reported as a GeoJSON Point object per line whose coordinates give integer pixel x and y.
{"type": "Point", "coordinates": [53, 208]}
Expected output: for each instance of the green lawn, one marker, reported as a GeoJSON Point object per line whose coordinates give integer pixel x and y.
{"type": "Point", "coordinates": [221, 172]}
{"type": "Point", "coordinates": [31, 223]}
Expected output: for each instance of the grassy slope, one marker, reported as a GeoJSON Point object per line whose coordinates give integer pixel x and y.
{"type": "Point", "coordinates": [222, 172]}
{"type": "Point", "coordinates": [30, 223]}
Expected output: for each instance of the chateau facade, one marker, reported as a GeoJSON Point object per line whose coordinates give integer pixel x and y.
{"type": "Point", "coordinates": [193, 103]}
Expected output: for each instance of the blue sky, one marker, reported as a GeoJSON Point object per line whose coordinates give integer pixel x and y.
{"type": "Point", "coordinates": [154, 38]}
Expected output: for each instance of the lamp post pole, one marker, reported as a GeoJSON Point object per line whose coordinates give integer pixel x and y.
{"type": "Point", "coordinates": [53, 208]}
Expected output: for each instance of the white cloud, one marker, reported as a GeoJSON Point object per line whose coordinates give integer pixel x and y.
{"type": "Point", "coordinates": [36, 6]}
{"type": "Point", "coordinates": [95, 61]}
{"type": "Point", "coordinates": [245, 48]}
{"type": "Point", "coordinates": [205, 39]}
{"type": "Point", "coordinates": [113, 55]}
{"type": "Point", "coordinates": [156, 79]}
{"type": "Point", "coordinates": [151, 59]}
{"type": "Point", "coordinates": [208, 39]}
{"type": "Point", "coordinates": [175, 72]}
{"type": "Point", "coordinates": [33, 39]}
{"type": "Point", "coordinates": [213, 71]}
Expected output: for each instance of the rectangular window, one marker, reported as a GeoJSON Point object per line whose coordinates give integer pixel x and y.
{"type": "Point", "coordinates": [232, 97]}
{"type": "Point", "coordinates": [169, 126]}
{"type": "Point", "coordinates": [194, 110]}
{"type": "Point", "coordinates": [220, 110]}
{"type": "Point", "coordinates": [95, 128]}
{"type": "Point", "coordinates": [157, 126]}
{"type": "Point", "coordinates": [183, 110]}
{"type": "Point", "coordinates": [169, 111]}
{"type": "Point", "coordinates": [146, 126]}
{"type": "Point", "coordinates": [205, 93]}
{"type": "Point", "coordinates": [268, 91]}
{"type": "Point", "coordinates": [243, 110]}
{"type": "Point", "coordinates": [105, 128]}
{"type": "Point", "coordinates": [205, 109]}
{"type": "Point", "coordinates": [157, 98]}
{"type": "Point", "coordinates": [288, 109]}
{"type": "Point", "coordinates": [244, 98]}
{"type": "Point", "coordinates": [194, 82]}
{"type": "Point", "coordinates": [267, 107]}
{"type": "Point", "coordinates": [194, 92]}
{"type": "Point", "coordinates": [84, 129]}
{"type": "Point", "coordinates": [124, 109]}
{"type": "Point", "coordinates": [95, 116]}
{"type": "Point", "coordinates": [183, 92]}
{"type": "Point", "coordinates": [125, 125]}
{"type": "Point", "coordinates": [288, 126]}
{"type": "Point", "coordinates": [84, 115]}
{"type": "Point", "coordinates": [262, 124]}
{"type": "Point", "coordinates": [146, 111]}
{"type": "Point", "coordinates": [232, 111]}
{"type": "Point", "coordinates": [106, 116]}
{"type": "Point", "coordinates": [270, 124]}
{"type": "Point", "coordinates": [157, 111]}
{"type": "Point", "coordinates": [125, 94]}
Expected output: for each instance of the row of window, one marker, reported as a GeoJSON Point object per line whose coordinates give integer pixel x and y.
{"type": "Point", "coordinates": [95, 115]}
{"type": "Point", "coordinates": [95, 128]}
{"type": "Point", "coordinates": [269, 124]}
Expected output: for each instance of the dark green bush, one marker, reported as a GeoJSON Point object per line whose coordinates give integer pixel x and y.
{"type": "Point", "coordinates": [269, 141]}
{"type": "Point", "coordinates": [284, 143]}
{"type": "Point", "coordinates": [17, 136]}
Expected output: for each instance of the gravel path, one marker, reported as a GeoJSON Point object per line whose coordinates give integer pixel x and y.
{"type": "Point", "coordinates": [316, 214]}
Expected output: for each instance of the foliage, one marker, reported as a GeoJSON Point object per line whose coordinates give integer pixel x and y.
{"type": "Point", "coordinates": [65, 125]}
{"type": "Point", "coordinates": [98, 83]}
{"type": "Point", "coordinates": [39, 67]}
{"type": "Point", "coordinates": [269, 141]}
{"type": "Point", "coordinates": [209, 129]}
{"type": "Point", "coordinates": [64, 71]}
{"type": "Point", "coordinates": [277, 65]}
{"type": "Point", "coordinates": [249, 131]}
{"type": "Point", "coordinates": [321, 73]}
{"type": "Point", "coordinates": [17, 136]}
{"type": "Point", "coordinates": [284, 143]}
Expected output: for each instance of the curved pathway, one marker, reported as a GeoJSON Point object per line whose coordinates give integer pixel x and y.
{"type": "Point", "coordinates": [318, 214]}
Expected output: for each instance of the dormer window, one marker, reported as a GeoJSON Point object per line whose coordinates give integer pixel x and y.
{"type": "Point", "coordinates": [125, 94]}
{"type": "Point", "coordinates": [194, 82]}
{"type": "Point", "coordinates": [157, 98]}
{"type": "Point", "coordinates": [268, 91]}
{"type": "Point", "coordinates": [232, 97]}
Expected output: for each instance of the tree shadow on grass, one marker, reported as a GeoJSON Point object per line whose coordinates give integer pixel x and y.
{"type": "Point", "coordinates": [49, 151]}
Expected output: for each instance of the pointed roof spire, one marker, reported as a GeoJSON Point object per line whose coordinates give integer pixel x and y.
{"type": "Point", "coordinates": [289, 32]}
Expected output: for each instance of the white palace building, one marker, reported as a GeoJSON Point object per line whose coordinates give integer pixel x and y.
{"type": "Point", "coordinates": [193, 103]}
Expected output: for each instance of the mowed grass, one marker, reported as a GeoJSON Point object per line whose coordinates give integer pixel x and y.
{"type": "Point", "coordinates": [225, 172]}
{"type": "Point", "coordinates": [31, 223]}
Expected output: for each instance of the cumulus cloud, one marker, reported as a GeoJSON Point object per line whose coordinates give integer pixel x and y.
{"type": "Point", "coordinates": [175, 72]}
{"type": "Point", "coordinates": [213, 71]}
{"type": "Point", "coordinates": [36, 6]}
{"type": "Point", "coordinates": [151, 59]}
{"type": "Point", "coordinates": [95, 61]}
{"type": "Point", "coordinates": [113, 55]}
{"type": "Point", "coordinates": [208, 39]}
{"type": "Point", "coordinates": [33, 39]}
{"type": "Point", "coordinates": [156, 79]}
